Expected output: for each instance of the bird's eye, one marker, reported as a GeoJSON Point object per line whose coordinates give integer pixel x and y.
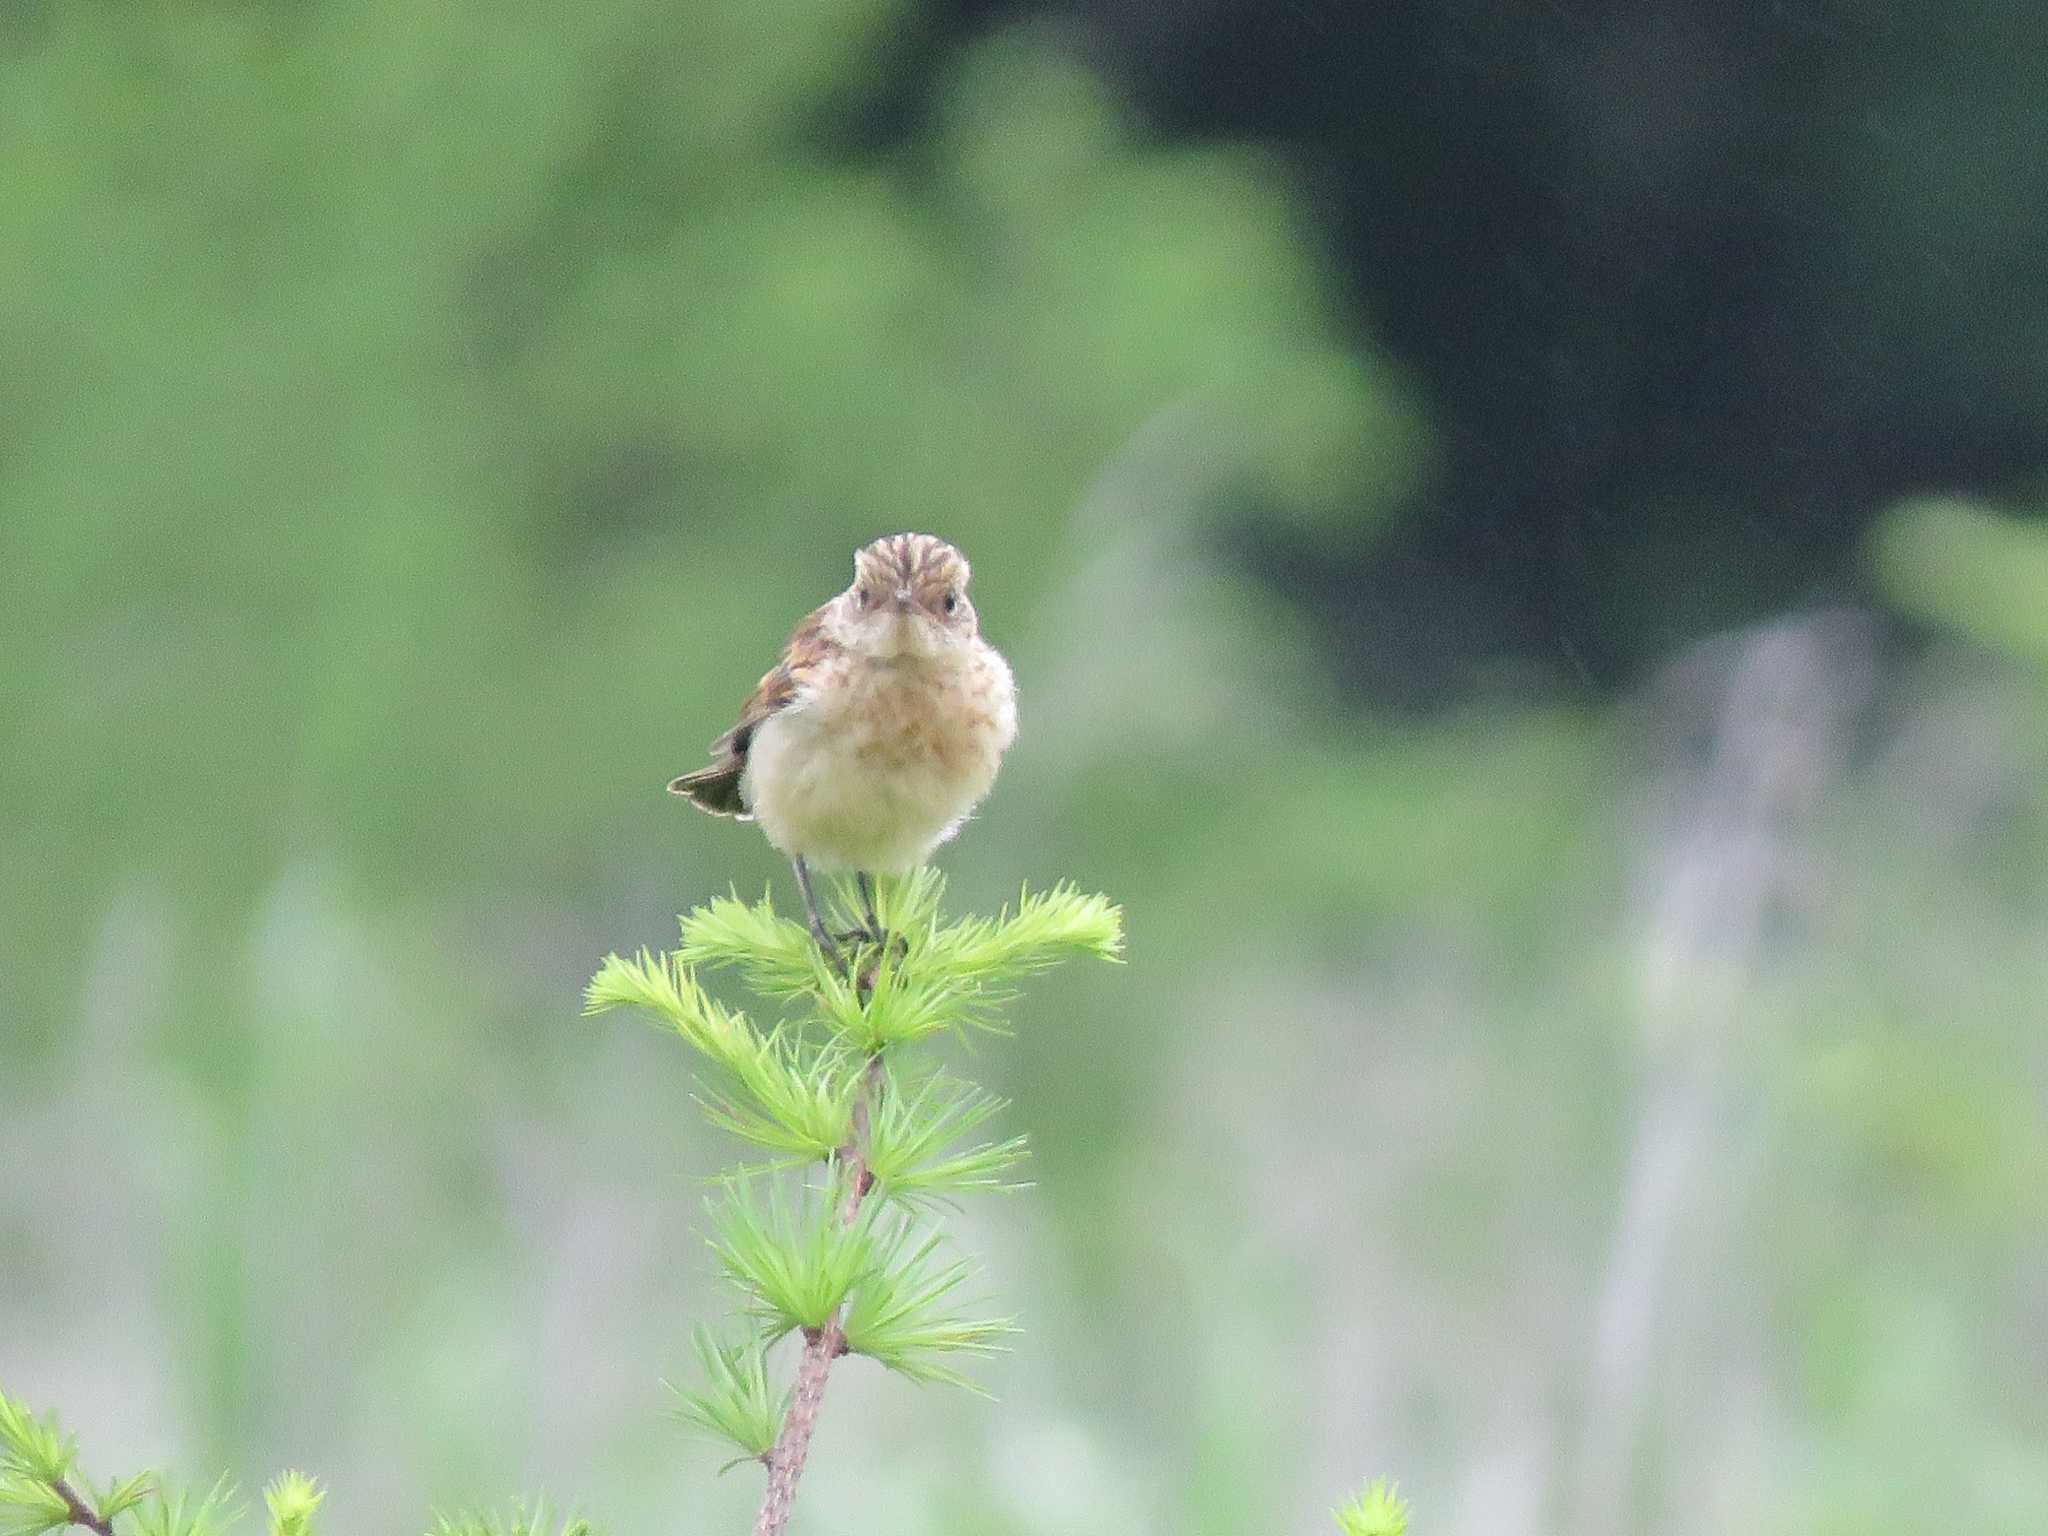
{"type": "Point", "coordinates": [952, 603]}
{"type": "Point", "coordinates": [860, 597]}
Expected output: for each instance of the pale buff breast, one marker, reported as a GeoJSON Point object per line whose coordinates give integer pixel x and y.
{"type": "Point", "coordinates": [878, 762]}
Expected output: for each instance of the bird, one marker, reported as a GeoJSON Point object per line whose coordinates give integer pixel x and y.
{"type": "Point", "coordinates": [877, 733]}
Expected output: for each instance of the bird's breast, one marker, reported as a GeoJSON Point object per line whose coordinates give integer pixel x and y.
{"type": "Point", "coordinates": [877, 761]}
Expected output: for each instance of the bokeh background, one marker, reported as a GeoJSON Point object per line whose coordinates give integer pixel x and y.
{"type": "Point", "coordinates": [1512, 526]}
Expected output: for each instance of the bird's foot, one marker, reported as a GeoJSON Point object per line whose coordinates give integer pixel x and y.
{"type": "Point", "coordinates": [880, 938]}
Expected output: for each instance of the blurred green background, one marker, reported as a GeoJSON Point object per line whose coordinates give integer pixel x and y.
{"type": "Point", "coordinates": [1510, 529]}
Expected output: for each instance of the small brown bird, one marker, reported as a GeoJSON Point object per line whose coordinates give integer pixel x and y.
{"type": "Point", "coordinates": [882, 726]}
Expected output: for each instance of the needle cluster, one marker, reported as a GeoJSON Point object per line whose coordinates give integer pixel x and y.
{"type": "Point", "coordinates": [43, 1490]}
{"type": "Point", "coordinates": [834, 1236]}
{"type": "Point", "coordinates": [1378, 1510]}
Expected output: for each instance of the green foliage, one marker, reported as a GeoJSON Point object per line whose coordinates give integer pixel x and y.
{"type": "Point", "coordinates": [1975, 568]}
{"type": "Point", "coordinates": [950, 976]}
{"type": "Point", "coordinates": [1046, 928]}
{"type": "Point", "coordinates": [735, 1402]}
{"type": "Point", "coordinates": [794, 1260]}
{"type": "Point", "coordinates": [41, 1492]}
{"type": "Point", "coordinates": [820, 1257]}
{"type": "Point", "coordinates": [899, 1314]}
{"type": "Point", "coordinates": [179, 1512]}
{"type": "Point", "coordinates": [292, 1500]}
{"type": "Point", "coordinates": [519, 1520]}
{"type": "Point", "coordinates": [931, 977]}
{"type": "Point", "coordinates": [777, 1104]}
{"type": "Point", "coordinates": [774, 956]}
{"type": "Point", "coordinates": [763, 1093]}
{"type": "Point", "coordinates": [30, 1506]}
{"type": "Point", "coordinates": [41, 1489]}
{"type": "Point", "coordinates": [909, 1135]}
{"type": "Point", "coordinates": [1377, 1511]}
{"type": "Point", "coordinates": [123, 1496]}
{"type": "Point", "coordinates": [35, 1451]}
{"type": "Point", "coordinates": [661, 985]}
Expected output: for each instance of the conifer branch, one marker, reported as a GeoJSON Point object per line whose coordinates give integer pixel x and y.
{"type": "Point", "coordinates": [823, 1345]}
{"type": "Point", "coordinates": [78, 1511]}
{"type": "Point", "coordinates": [851, 1274]}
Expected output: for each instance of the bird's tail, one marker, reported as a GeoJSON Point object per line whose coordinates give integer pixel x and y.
{"type": "Point", "coordinates": [715, 788]}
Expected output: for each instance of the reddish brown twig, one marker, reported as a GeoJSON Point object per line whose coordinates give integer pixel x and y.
{"type": "Point", "coordinates": [78, 1512]}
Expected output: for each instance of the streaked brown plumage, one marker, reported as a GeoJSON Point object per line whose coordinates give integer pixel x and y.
{"type": "Point", "coordinates": [717, 788]}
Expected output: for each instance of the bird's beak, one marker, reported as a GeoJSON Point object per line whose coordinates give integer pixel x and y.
{"type": "Point", "coordinates": [904, 598]}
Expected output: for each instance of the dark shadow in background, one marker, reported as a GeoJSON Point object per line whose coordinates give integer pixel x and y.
{"type": "Point", "coordinates": [1692, 290]}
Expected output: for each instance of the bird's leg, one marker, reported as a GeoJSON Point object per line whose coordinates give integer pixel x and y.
{"type": "Point", "coordinates": [870, 931]}
{"type": "Point", "coordinates": [876, 933]}
{"type": "Point", "coordinates": [818, 929]}
{"type": "Point", "coordinates": [866, 888]}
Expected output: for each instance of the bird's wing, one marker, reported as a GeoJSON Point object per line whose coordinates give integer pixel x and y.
{"type": "Point", "coordinates": [716, 787]}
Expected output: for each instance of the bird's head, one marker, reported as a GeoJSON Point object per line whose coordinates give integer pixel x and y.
{"type": "Point", "coordinates": [908, 598]}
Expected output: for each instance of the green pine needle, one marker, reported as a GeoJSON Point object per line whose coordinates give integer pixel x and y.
{"type": "Point", "coordinates": [898, 1315]}
{"type": "Point", "coordinates": [774, 955]}
{"type": "Point", "coordinates": [910, 903]}
{"type": "Point", "coordinates": [953, 976]}
{"type": "Point", "coordinates": [119, 1498]}
{"type": "Point", "coordinates": [1378, 1511]}
{"type": "Point", "coordinates": [1046, 928]}
{"type": "Point", "coordinates": [795, 1265]}
{"type": "Point", "coordinates": [519, 1520]}
{"type": "Point", "coordinates": [901, 1006]}
{"type": "Point", "coordinates": [665, 988]}
{"type": "Point", "coordinates": [783, 1101]}
{"type": "Point", "coordinates": [35, 1456]}
{"type": "Point", "coordinates": [822, 1086]}
{"type": "Point", "coordinates": [35, 1448]}
{"type": "Point", "coordinates": [29, 1506]}
{"type": "Point", "coordinates": [292, 1499]}
{"type": "Point", "coordinates": [177, 1512]}
{"type": "Point", "coordinates": [928, 979]}
{"type": "Point", "coordinates": [769, 1093]}
{"type": "Point", "coordinates": [908, 1136]}
{"type": "Point", "coordinates": [735, 1404]}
